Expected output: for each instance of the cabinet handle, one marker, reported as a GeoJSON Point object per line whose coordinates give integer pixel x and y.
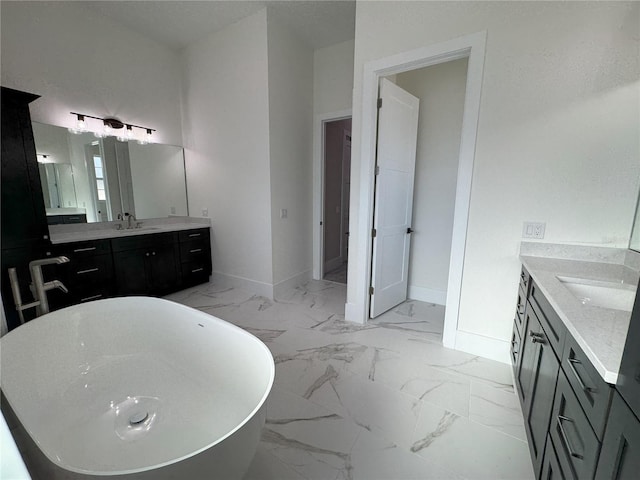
{"type": "Point", "coordinates": [89, 270]}
{"type": "Point", "coordinates": [197, 270]}
{"type": "Point", "coordinates": [575, 361]}
{"type": "Point", "coordinates": [565, 439]}
{"type": "Point", "coordinates": [195, 234]}
{"type": "Point", "coordinates": [195, 250]}
{"type": "Point", "coordinates": [537, 337]}
{"type": "Point", "coordinates": [88, 249]}
{"type": "Point", "coordinates": [521, 309]}
{"type": "Point", "coordinates": [94, 297]}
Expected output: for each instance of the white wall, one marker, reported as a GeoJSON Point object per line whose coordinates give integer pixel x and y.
{"type": "Point", "coordinates": [80, 61]}
{"type": "Point", "coordinates": [557, 135]}
{"type": "Point", "coordinates": [157, 172]}
{"type": "Point", "coordinates": [226, 125]}
{"type": "Point", "coordinates": [441, 90]}
{"type": "Point", "coordinates": [333, 78]}
{"type": "Point", "coordinates": [290, 123]}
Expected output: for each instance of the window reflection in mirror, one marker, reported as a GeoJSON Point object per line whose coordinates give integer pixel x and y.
{"type": "Point", "coordinates": [109, 177]}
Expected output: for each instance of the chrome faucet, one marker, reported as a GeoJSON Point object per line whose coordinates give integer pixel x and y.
{"type": "Point", "coordinates": [39, 287]}
{"type": "Point", "coordinates": [131, 219]}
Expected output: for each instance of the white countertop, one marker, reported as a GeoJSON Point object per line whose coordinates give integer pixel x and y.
{"type": "Point", "coordinates": [600, 332]}
{"type": "Point", "coordinates": [103, 233]}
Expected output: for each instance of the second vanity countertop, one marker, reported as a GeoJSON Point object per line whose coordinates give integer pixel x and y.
{"type": "Point", "coordinates": [104, 233]}
{"type": "Point", "coordinates": [600, 332]}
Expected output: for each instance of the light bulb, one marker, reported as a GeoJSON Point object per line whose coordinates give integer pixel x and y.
{"type": "Point", "coordinates": [80, 126]}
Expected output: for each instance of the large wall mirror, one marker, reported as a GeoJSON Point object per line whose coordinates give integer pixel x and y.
{"type": "Point", "coordinates": [89, 179]}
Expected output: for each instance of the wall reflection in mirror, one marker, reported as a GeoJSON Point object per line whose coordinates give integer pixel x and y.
{"type": "Point", "coordinates": [89, 179]}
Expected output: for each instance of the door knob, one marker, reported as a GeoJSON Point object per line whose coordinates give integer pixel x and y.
{"type": "Point", "coordinates": [409, 230]}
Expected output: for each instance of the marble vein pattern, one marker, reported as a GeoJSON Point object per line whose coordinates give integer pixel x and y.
{"type": "Point", "coordinates": [379, 401]}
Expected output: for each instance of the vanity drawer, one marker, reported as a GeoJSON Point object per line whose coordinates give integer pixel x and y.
{"type": "Point", "coordinates": [593, 393]}
{"type": "Point", "coordinates": [576, 443]}
{"type": "Point", "coordinates": [515, 349]}
{"type": "Point", "coordinates": [194, 273]}
{"type": "Point", "coordinates": [195, 234]}
{"type": "Point", "coordinates": [549, 319]}
{"type": "Point", "coordinates": [195, 250]}
{"type": "Point", "coordinates": [520, 310]}
{"type": "Point", "coordinates": [83, 249]}
{"type": "Point", "coordinates": [525, 281]}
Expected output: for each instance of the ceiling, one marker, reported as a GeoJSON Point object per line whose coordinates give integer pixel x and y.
{"type": "Point", "coordinates": [176, 24]}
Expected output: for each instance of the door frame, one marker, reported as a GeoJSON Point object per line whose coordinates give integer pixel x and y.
{"type": "Point", "coordinates": [472, 47]}
{"type": "Point", "coordinates": [318, 185]}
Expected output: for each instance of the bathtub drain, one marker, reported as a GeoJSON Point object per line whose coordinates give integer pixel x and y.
{"type": "Point", "coordinates": [138, 418]}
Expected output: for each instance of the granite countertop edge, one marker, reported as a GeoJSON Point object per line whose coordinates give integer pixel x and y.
{"type": "Point", "coordinates": [600, 332]}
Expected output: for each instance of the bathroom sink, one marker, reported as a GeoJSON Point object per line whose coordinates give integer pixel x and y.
{"type": "Point", "coordinates": [134, 231]}
{"type": "Point", "coordinates": [615, 295]}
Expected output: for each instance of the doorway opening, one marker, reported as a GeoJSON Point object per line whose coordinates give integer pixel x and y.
{"type": "Point", "coordinates": [414, 194]}
{"type": "Point", "coordinates": [336, 189]}
{"type": "Point", "coordinates": [471, 47]}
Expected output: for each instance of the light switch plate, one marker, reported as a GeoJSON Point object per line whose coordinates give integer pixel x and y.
{"type": "Point", "coordinates": [533, 230]}
{"type": "Point", "coordinates": [283, 213]}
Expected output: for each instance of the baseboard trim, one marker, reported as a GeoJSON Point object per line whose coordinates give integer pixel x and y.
{"type": "Point", "coordinates": [429, 295]}
{"type": "Point", "coordinates": [291, 282]}
{"type": "Point", "coordinates": [354, 312]}
{"type": "Point", "coordinates": [260, 288]}
{"type": "Point", "coordinates": [486, 347]}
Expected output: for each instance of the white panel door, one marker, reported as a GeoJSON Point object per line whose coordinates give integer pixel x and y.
{"type": "Point", "coordinates": [396, 162]}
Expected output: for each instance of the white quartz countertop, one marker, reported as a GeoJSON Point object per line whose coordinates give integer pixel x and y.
{"type": "Point", "coordinates": [600, 332]}
{"type": "Point", "coordinates": [103, 233]}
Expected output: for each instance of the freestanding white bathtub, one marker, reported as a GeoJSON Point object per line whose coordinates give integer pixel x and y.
{"type": "Point", "coordinates": [135, 388]}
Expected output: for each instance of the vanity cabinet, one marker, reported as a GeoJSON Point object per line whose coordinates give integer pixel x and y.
{"type": "Point", "coordinates": [88, 275]}
{"type": "Point", "coordinates": [146, 264]}
{"type": "Point", "coordinates": [578, 426]}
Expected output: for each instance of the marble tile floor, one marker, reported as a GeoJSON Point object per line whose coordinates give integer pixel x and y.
{"type": "Point", "coordinates": [338, 274]}
{"type": "Point", "coordinates": [375, 402]}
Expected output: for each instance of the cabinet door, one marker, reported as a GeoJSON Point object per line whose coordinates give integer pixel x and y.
{"type": "Point", "coordinates": [537, 408]}
{"type": "Point", "coordinates": [551, 466]}
{"type": "Point", "coordinates": [162, 269]}
{"type": "Point", "coordinates": [23, 216]}
{"type": "Point", "coordinates": [130, 269]}
{"type": "Point", "coordinates": [527, 355]}
{"type": "Point", "coordinates": [620, 456]}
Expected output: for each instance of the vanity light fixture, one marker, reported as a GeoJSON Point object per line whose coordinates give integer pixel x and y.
{"type": "Point", "coordinates": [109, 128]}
{"type": "Point", "coordinates": [80, 126]}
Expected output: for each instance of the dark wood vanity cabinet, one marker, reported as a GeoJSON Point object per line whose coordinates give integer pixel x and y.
{"type": "Point", "coordinates": [577, 425]}
{"type": "Point", "coordinates": [24, 226]}
{"type": "Point", "coordinates": [88, 275]}
{"type": "Point", "coordinates": [195, 256]}
{"type": "Point", "coordinates": [146, 264]}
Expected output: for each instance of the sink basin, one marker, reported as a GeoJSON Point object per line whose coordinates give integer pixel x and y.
{"type": "Point", "coordinates": [134, 231]}
{"type": "Point", "coordinates": [615, 295]}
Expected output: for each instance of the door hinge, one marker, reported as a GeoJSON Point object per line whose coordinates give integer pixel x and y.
{"type": "Point", "coordinates": [373, 232]}
{"type": "Point", "coordinates": [371, 290]}
{"type": "Point", "coordinates": [377, 169]}
{"type": "Point", "coordinates": [380, 103]}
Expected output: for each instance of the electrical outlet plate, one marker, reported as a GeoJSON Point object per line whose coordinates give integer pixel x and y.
{"type": "Point", "coordinates": [533, 230]}
{"type": "Point", "coordinates": [205, 212]}
{"type": "Point", "coordinates": [283, 213]}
